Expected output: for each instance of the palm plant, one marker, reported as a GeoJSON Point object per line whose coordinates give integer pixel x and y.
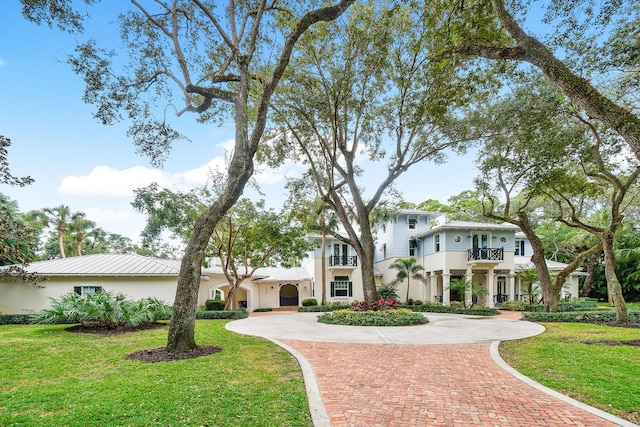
{"type": "Point", "coordinates": [528, 277]}
{"type": "Point", "coordinates": [59, 217]}
{"type": "Point", "coordinates": [464, 287]}
{"type": "Point", "coordinates": [79, 227]}
{"type": "Point", "coordinates": [407, 270]}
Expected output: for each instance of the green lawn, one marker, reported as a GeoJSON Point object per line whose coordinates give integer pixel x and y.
{"type": "Point", "coordinates": [603, 376]}
{"type": "Point", "coordinates": [50, 377]}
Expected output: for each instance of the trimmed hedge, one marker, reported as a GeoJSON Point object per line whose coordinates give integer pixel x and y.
{"type": "Point", "coordinates": [16, 319]}
{"type": "Point", "coordinates": [262, 310]}
{"type": "Point", "coordinates": [239, 313]}
{"type": "Point", "coordinates": [214, 304]}
{"type": "Point", "coordinates": [323, 308]}
{"type": "Point", "coordinates": [308, 302]}
{"type": "Point", "coordinates": [439, 308]}
{"type": "Point", "coordinates": [396, 317]}
{"type": "Point", "coordinates": [599, 316]}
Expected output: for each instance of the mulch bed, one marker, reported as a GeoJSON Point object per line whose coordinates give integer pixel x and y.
{"type": "Point", "coordinates": [152, 355]}
{"type": "Point", "coordinates": [161, 355]}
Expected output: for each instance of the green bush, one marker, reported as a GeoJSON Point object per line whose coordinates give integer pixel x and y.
{"type": "Point", "coordinates": [105, 309]}
{"type": "Point", "coordinates": [262, 310]}
{"type": "Point", "coordinates": [16, 319]}
{"type": "Point", "coordinates": [439, 308]}
{"type": "Point", "coordinates": [239, 313]}
{"type": "Point", "coordinates": [396, 317]}
{"type": "Point", "coordinates": [515, 305]}
{"type": "Point", "coordinates": [577, 305]}
{"type": "Point", "coordinates": [323, 308]}
{"type": "Point", "coordinates": [309, 302]}
{"type": "Point", "coordinates": [388, 291]}
{"type": "Point", "coordinates": [214, 304]}
{"type": "Point", "coordinates": [596, 316]}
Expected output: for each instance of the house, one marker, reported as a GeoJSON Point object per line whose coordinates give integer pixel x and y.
{"type": "Point", "coordinates": [139, 277]}
{"type": "Point", "coordinates": [482, 253]}
{"type": "Point", "coordinates": [487, 254]}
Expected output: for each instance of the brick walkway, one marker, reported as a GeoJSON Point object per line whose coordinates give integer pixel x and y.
{"type": "Point", "coordinates": [429, 385]}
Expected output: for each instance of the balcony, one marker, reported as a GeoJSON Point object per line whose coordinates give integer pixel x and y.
{"type": "Point", "coordinates": [343, 261]}
{"type": "Point", "coordinates": [485, 254]}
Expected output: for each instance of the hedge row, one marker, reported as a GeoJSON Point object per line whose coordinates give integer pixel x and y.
{"type": "Point", "coordinates": [600, 316]}
{"type": "Point", "coordinates": [16, 319]}
{"type": "Point", "coordinates": [439, 308]}
{"type": "Point", "coordinates": [239, 313]}
{"type": "Point", "coordinates": [324, 308]}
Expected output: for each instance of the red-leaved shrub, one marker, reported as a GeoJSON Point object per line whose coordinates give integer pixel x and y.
{"type": "Point", "coordinates": [381, 304]}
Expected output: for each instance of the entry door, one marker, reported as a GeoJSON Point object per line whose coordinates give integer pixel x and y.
{"type": "Point", "coordinates": [480, 241]}
{"type": "Point", "coordinates": [340, 253]}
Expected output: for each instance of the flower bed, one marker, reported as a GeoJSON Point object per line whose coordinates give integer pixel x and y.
{"type": "Point", "coordinates": [388, 317]}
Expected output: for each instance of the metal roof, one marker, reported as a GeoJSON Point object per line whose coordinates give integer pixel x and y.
{"type": "Point", "coordinates": [106, 265]}
{"type": "Point", "coordinates": [524, 262]}
{"type": "Point", "coordinates": [281, 274]}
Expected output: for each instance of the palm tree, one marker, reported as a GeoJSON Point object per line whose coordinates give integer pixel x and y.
{"type": "Point", "coordinates": [463, 286]}
{"type": "Point", "coordinates": [79, 227]}
{"type": "Point", "coordinates": [59, 217]}
{"type": "Point", "coordinates": [407, 269]}
{"type": "Point", "coordinates": [528, 276]}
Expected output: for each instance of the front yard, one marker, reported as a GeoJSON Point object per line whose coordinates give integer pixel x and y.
{"type": "Point", "coordinates": [49, 376]}
{"type": "Point", "coordinates": [594, 364]}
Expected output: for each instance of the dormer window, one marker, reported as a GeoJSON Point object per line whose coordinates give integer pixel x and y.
{"type": "Point", "coordinates": [519, 247]}
{"type": "Point", "coordinates": [412, 223]}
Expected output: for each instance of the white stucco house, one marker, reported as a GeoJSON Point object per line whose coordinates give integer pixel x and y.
{"type": "Point", "coordinates": [487, 254]}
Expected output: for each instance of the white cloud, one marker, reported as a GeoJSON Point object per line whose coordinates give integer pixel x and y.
{"type": "Point", "coordinates": [2, 63]}
{"type": "Point", "coordinates": [125, 222]}
{"type": "Point", "coordinates": [107, 181]}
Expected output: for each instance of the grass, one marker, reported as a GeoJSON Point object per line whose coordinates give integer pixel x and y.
{"type": "Point", "coordinates": [602, 376]}
{"type": "Point", "coordinates": [52, 377]}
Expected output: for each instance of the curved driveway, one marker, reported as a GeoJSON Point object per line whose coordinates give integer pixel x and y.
{"type": "Point", "coordinates": [441, 329]}
{"type": "Point", "coordinates": [445, 373]}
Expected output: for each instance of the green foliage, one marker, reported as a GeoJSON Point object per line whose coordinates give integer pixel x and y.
{"type": "Point", "coordinates": [462, 286]}
{"type": "Point", "coordinates": [439, 308]}
{"type": "Point", "coordinates": [322, 308]}
{"type": "Point", "coordinates": [16, 319]}
{"type": "Point", "coordinates": [395, 317]}
{"type": "Point", "coordinates": [214, 304]}
{"type": "Point", "coordinates": [600, 316]}
{"type": "Point", "coordinates": [263, 310]}
{"type": "Point", "coordinates": [238, 313]}
{"type": "Point", "coordinates": [514, 305]}
{"type": "Point", "coordinates": [388, 291]}
{"type": "Point", "coordinates": [408, 269]}
{"type": "Point", "coordinates": [307, 302]}
{"type": "Point", "coordinates": [379, 305]}
{"type": "Point", "coordinates": [105, 309]}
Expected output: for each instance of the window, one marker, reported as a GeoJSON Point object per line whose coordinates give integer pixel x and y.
{"type": "Point", "coordinates": [87, 290]}
{"type": "Point", "coordinates": [503, 239]}
{"type": "Point", "coordinates": [520, 247]}
{"type": "Point", "coordinates": [457, 238]}
{"type": "Point", "coordinates": [436, 241]}
{"type": "Point", "coordinates": [384, 251]}
{"type": "Point", "coordinates": [413, 244]}
{"type": "Point", "coordinates": [384, 228]}
{"type": "Point", "coordinates": [412, 223]}
{"type": "Point", "coordinates": [341, 287]}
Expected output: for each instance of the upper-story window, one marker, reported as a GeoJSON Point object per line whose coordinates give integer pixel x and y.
{"type": "Point", "coordinates": [436, 243]}
{"type": "Point", "coordinates": [413, 244]}
{"type": "Point", "coordinates": [383, 227]}
{"type": "Point", "coordinates": [519, 247]}
{"type": "Point", "coordinates": [384, 251]}
{"type": "Point", "coordinates": [412, 223]}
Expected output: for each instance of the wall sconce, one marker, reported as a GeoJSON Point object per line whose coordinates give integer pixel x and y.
{"type": "Point", "coordinates": [272, 287]}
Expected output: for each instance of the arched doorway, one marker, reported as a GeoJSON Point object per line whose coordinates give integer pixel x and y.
{"type": "Point", "coordinates": [288, 295]}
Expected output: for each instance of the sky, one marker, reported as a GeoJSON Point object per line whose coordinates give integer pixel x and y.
{"type": "Point", "coordinates": [93, 168]}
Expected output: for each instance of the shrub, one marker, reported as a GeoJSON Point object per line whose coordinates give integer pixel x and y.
{"type": "Point", "coordinates": [323, 308]}
{"type": "Point", "coordinates": [380, 305]}
{"type": "Point", "coordinates": [214, 304]}
{"type": "Point", "coordinates": [439, 308]}
{"type": "Point", "coordinates": [309, 302]}
{"type": "Point", "coordinates": [388, 291]}
{"type": "Point", "coordinates": [395, 317]}
{"type": "Point", "coordinates": [515, 305]}
{"type": "Point", "coordinates": [105, 309]}
{"type": "Point", "coordinates": [16, 319]}
{"type": "Point", "coordinates": [600, 316]}
{"type": "Point", "coordinates": [262, 310]}
{"type": "Point", "coordinates": [239, 313]}
{"type": "Point", "coordinates": [457, 304]}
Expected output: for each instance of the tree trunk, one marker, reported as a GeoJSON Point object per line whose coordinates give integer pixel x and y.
{"type": "Point", "coordinates": [323, 266]}
{"type": "Point", "coordinates": [233, 287]}
{"type": "Point", "coordinates": [366, 267]}
{"type": "Point", "coordinates": [586, 286]}
{"type": "Point", "coordinates": [613, 284]}
{"type": "Point", "coordinates": [61, 240]}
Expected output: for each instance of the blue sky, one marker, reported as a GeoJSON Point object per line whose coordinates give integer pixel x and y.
{"type": "Point", "coordinates": [77, 161]}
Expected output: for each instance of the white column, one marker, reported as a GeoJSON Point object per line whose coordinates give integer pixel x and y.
{"type": "Point", "coordinates": [511, 284]}
{"type": "Point", "coordinates": [490, 287]}
{"type": "Point", "coordinates": [446, 293]}
{"type": "Point", "coordinates": [433, 285]}
{"type": "Point", "coordinates": [468, 294]}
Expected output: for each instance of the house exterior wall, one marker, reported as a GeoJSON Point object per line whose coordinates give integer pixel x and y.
{"type": "Point", "coordinates": [19, 298]}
